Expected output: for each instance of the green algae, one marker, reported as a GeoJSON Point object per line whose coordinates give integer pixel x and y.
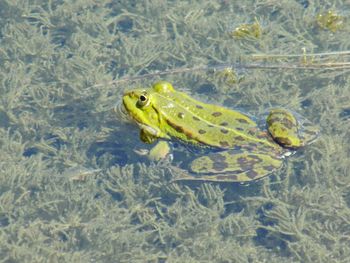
{"type": "Point", "coordinates": [330, 20]}
{"type": "Point", "coordinates": [252, 31]}
{"type": "Point", "coordinates": [55, 115]}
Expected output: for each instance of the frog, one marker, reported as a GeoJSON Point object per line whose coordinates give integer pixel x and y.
{"type": "Point", "coordinates": [239, 149]}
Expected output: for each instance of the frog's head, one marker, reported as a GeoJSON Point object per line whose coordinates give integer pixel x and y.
{"type": "Point", "coordinates": [141, 105]}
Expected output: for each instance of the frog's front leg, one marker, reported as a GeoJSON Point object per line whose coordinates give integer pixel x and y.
{"type": "Point", "coordinates": [160, 151]}
{"type": "Point", "coordinates": [289, 130]}
{"type": "Point", "coordinates": [147, 137]}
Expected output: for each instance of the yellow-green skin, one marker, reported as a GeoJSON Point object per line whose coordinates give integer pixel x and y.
{"type": "Point", "coordinates": [247, 153]}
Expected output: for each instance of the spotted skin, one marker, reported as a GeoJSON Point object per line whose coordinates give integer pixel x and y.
{"type": "Point", "coordinates": [201, 131]}
{"type": "Point", "coordinates": [224, 131]}
{"type": "Point", "coordinates": [243, 152]}
{"type": "Point", "coordinates": [216, 114]}
{"type": "Point", "coordinates": [244, 166]}
{"type": "Point", "coordinates": [284, 128]}
{"type": "Point", "coordinates": [181, 115]}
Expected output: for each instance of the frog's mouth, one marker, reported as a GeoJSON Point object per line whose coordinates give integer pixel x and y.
{"type": "Point", "coordinates": [145, 127]}
{"type": "Point", "coordinates": [149, 129]}
{"type": "Point", "coordinates": [131, 110]}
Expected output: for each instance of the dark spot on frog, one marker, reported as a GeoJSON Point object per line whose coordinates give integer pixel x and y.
{"type": "Point", "coordinates": [217, 157]}
{"type": "Point", "coordinates": [239, 129]}
{"type": "Point", "coordinates": [252, 131]}
{"type": "Point", "coordinates": [210, 125]}
{"type": "Point", "coordinates": [242, 161]}
{"type": "Point", "coordinates": [269, 168]}
{"type": "Point", "coordinates": [219, 166]}
{"type": "Point", "coordinates": [288, 123]}
{"type": "Point", "coordinates": [201, 131]}
{"type": "Point", "coordinates": [252, 174]}
{"type": "Point", "coordinates": [219, 162]}
{"type": "Point", "coordinates": [273, 119]}
{"type": "Point", "coordinates": [224, 144]}
{"type": "Point", "coordinates": [224, 131]}
{"type": "Point", "coordinates": [199, 106]}
{"type": "Point", "coordinates": [242, 121]}
{"type": "Point", "coordinates": [195, 118]}
{"type": "Point", "coordinates": [181, 115]}
{"type": "Point", "coordinates": [216, 114]}
{"type": "Point", "coordinates": [283, 129]}
{"type": "Point", "coordinates": [247, 163]}
{"type": "Point", "coordinates": [284, 141]}
{"type": "Point", "coordinates": [224, 123]}
{"type": "Point", "coordinates": [239, 138]}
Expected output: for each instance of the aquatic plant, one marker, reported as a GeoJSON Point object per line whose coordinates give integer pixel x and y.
{"type": "Point", "coordinates": [252, 30]}
{"type": "Point", "coordinates": [60, 71]}
{"type": "Point", "coordinates": [330, 20]}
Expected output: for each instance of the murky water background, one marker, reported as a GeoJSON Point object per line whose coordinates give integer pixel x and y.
{"type": "Point", "coordinates": [72, 188]}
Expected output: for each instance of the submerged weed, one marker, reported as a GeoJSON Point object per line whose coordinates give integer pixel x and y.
{"type": "Point", "coordinates": [58, 60]}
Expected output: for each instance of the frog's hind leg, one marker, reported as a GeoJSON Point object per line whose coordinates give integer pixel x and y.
{"type": "Point", "coordinates": [231, 166]}
{"type": "Point", "coordinates": [289, 129]}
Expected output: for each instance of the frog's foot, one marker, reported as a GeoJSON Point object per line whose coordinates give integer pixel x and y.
{"type": "Point", "coordinates": [232, 166]}
{"type": "Point", "coordinates": [290, 130]}
{"type": "Point", "coordinates": [160, 151]}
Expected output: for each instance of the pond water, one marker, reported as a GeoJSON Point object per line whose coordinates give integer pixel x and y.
{"type": "Point", "coordinates": [73, 184]}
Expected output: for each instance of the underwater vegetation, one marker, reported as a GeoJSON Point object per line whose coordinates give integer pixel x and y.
{"type": "Point", "coordinates": [330, 20]}
{"type": "Point", "coordinates": [72, 188]}
{"type": "Point", "coordinates": [252, 30]}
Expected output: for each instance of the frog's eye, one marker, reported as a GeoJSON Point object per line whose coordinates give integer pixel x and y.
{"type": "Point", "coordinates": [143, 100]}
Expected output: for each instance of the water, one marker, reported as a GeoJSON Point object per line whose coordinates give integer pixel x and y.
{"type": "Point", "coordinates": [58, 61]}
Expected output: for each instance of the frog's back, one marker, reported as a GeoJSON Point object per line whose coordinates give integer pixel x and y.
{"type": "Point", "coordinates": [192, 120]}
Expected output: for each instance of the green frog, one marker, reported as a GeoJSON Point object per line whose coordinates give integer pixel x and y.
{"type": "Point", "coordinates": [242, 152]}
